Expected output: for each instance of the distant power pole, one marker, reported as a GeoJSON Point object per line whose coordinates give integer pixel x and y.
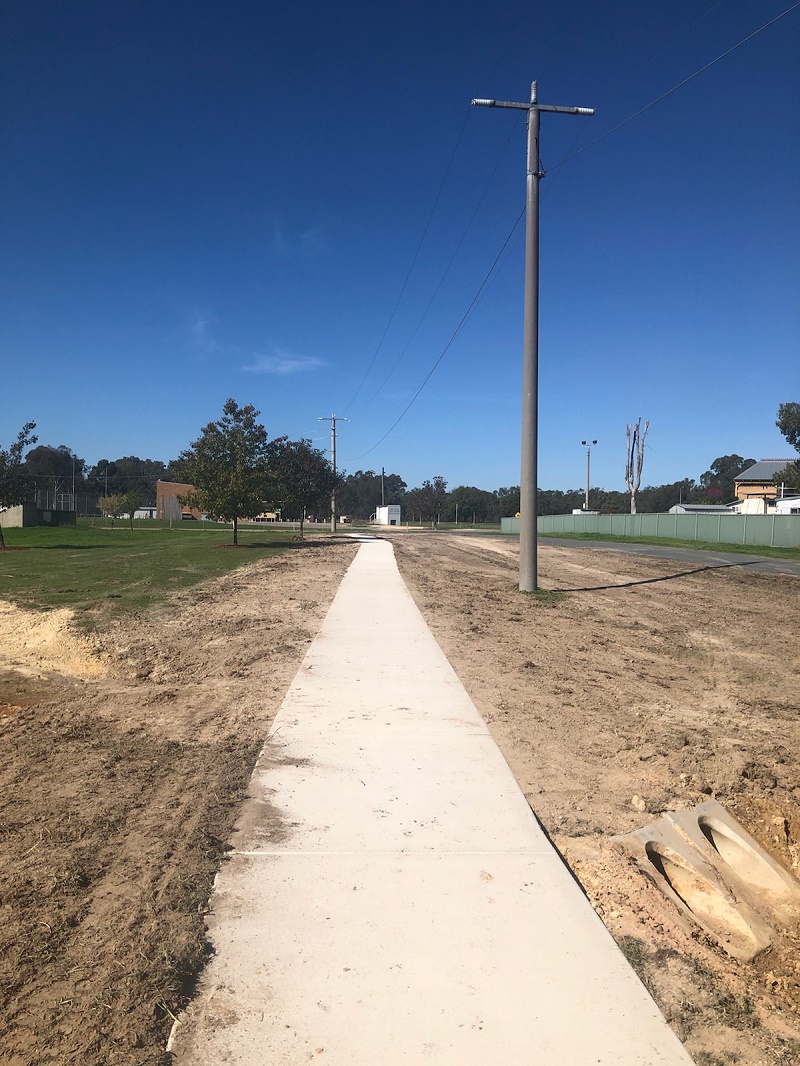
{"type": "Point", "coordinates": [528, 580]}
{"type": "Point", "coordinates": [333, 419]}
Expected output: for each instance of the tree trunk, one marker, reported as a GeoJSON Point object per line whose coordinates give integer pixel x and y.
{"type": "Point", "coordinates": [302, 520]}
{"type": "Point", "coordinates": [633, 501]}
{"type": "Point", "coordinates": [235, 532]}
{"type": "Point", "coordinates": [2, 538]}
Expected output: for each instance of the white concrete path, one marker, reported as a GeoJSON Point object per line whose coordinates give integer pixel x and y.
{"type": "Point", "coordinates": [410, 909]}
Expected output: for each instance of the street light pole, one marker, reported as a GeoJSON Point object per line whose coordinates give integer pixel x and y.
{"type": "Point", "coordinates": [528, 534]}
{"type": "Point", "coordinates": [588, 445]}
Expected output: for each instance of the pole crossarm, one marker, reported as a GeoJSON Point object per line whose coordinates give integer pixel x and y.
{"type": "Point", "coordinates": [541, 107]}
{"type": "Point", "coordinates": [528, 533]}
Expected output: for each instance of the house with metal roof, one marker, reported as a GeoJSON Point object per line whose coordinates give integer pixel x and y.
{"type": "Point", "coordinates": [697, 508]}
{"type": "Point", "coordinates": [757, 479]}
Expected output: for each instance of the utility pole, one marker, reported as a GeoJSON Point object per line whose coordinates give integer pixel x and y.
{"type": "Point", "coordinates": [588, 445]}
{"type": "Point", "coordinates": [383, 501]}
{"type": "Point", "coordinates": [333, 419]}
{"type": "Point", "coordinates": [528, 578]}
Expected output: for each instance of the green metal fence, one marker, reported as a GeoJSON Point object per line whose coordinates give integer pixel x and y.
{"type": "Point", "coordinates": [776, 531]}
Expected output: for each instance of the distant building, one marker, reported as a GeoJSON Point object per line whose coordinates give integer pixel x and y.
{"type": "Point", "coordinates": [757, 479]}
{"type": "Point", "coordinates": [788, 505]}
{"type": "Point", "coordinates": [389, 515]}
{"type": "Point", "coordinates": [24, 515]}
{"type": "Point", "coordinates": [699, 509]}
{"type": "Point", "coordinates": [169, 506]}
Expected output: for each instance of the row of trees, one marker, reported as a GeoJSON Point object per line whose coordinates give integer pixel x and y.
{"type": "Point", "coordinates": [237, 473]}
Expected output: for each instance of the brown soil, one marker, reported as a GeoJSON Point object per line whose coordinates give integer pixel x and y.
{"type": "Point", "coordinates": [119, 793]}
{"type": "Point", "coordinates": [126, 761]}
{"type": "Point", "coordinates": [621, 700]}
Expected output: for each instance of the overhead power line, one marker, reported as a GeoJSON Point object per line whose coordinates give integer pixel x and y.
{"type": "Point", "coordinates": [447, 269]}
{"type": "Point", "coordinates": [413, 264]}
{"type": "Point", "coordinates": [674, 89]}
{"type": "Point", "coordinates": [464, 318]}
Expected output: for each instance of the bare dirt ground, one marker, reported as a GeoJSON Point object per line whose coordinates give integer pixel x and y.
{"type": "Point", "coordinates": [620, 701]}
{"type": "Point", "coordinates": [126, 759]}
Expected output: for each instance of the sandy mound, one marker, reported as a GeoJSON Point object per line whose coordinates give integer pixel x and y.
{"type": "Point", "coordinates": [42, 641]}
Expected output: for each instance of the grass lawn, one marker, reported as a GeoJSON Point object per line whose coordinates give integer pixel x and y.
{"type": "Point", "coordinates": [102, 570]}
{"type": "Point", "coordinates": [701, 545]}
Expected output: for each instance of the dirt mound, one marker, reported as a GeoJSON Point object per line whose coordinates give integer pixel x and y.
{"type": "Point", "coordinates": [43, 642]}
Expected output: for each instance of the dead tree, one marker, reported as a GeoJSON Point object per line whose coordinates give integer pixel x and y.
{"type": "Point", "coordinates": [635, 438]}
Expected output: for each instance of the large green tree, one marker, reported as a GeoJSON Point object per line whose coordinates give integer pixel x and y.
{"type": "Point", "coordinates": [717, 481]}
{"type": "Point", "coordinates": [55, 470]}
{"type": "Point", "coordinates": [789, 425]}
{"type": "Point", "coordinates": [15, 483]}
{"type": "Point", "coordinates": [470, 504]}
{"type": "Point", "coordinates": [128, 474]}
{"type": "Point", "coordinates": [431, 498]}
{"type": "Point", "coordinates": [227, 466]}
{"type": "Point", "coordinates": [301, 478]}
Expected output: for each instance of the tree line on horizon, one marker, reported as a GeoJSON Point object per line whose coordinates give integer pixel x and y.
{"type": "Point", "coordinates": [57, 471]}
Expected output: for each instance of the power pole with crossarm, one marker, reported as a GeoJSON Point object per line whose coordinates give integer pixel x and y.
{"type": "Point", "coordinates": [333, 419]}
{"type": "Point", "coordinates": [528, 577]}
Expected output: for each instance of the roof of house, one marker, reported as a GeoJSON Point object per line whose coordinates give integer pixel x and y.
{"type": "Point", "coordinates": [701, 508]}
{"type": "Point", "coordinates": [764, 470]}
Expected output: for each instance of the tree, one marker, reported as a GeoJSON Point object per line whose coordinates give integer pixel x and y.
{"type": "Point", "coordinates": [55, 469]}
{"type": "Point", "coordinates": [718, 480]}
{"type": "Point", "coordinates": [635, 438]}
{"type": "Point", "coordinates": [14, 480]}
{"type": "Point", "coordinates": [469, 502]}
{"type": "Point", "coordinates": [789, 425]}
{"type": "Point", "coordinates": [360, 493]}
{"type": "Point", "coordinates": [301, 478]}
{"type": "Point", "coordinates": [123, 503]}
{"type": "Point", "coordinates": [227, 466]}
{"type": "Point", "coordinates": [431, 498]}
{"type": "Point", "coordinates": [508, 499]}
{"type": "Point", "coordinates": [129, 473]}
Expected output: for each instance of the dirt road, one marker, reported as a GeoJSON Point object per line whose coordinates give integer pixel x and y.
{"type": "Point", "coordinates": [643, 691]}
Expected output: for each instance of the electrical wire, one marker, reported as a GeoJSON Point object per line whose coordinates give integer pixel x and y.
{"type": "Point", "coordinates": [413, 263]}
{"type": "Point", "coordinates": [488, 277]}
{"type": "Point", "coordinates": [464, 318]}
{"type": "Point", "coordinates": [674, 89]}
{"type": "Point", "coordinates": [584, 125]}
{"type": "Point", "coordinates": [447, 268]}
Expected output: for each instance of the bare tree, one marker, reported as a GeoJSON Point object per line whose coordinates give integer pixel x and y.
{"type": "Point", "coordinates": [635, 437]}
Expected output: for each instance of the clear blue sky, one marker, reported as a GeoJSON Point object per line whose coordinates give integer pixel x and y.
{"type": "Point", "coordinates": [207, 199]}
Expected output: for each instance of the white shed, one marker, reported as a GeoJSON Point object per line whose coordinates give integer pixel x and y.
{"type": "Point", "coordinates": [788, 505]}
{"type": "Point", "coordinates": [389, 515]}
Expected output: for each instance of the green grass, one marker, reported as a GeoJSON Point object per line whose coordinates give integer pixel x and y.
{"type": "Point", "coordinates": [546, 597]}
{"type": "Point", "coordinates": [700, 545]}
{"type": "Point", "coordinates": [102, 571]}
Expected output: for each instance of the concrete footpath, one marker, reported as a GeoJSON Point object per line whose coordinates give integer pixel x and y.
{"type": "Point", "coordinates": [391, 897]}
